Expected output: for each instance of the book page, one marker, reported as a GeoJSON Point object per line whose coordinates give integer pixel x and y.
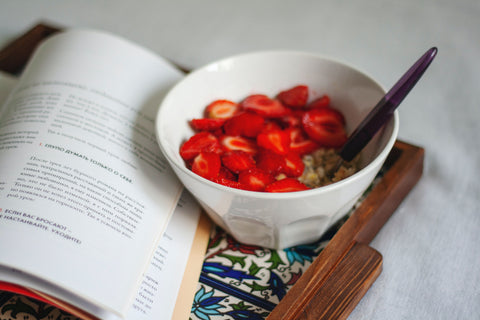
{"type": "Point", "coordinates": [7, 83]}
{"type": "Point", "coordinates": [183, 245]}
{"type": "Point", "coordinates": [82, 178]}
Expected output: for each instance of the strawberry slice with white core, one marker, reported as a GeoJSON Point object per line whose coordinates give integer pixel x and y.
{"type": "Point", "coordinates": [202, 141]}
{"type": "Point", "coordinates": [277, 141]}
{"type": "Point", "coordinates": [207, 165]}
{"type": "Point", "coordinates": [294, 165]}
{"type": "Point", "coordinates": [231, 143]}
{"type": "Point", "coordinates": [300, 143]}
{"type": "Point", "coordinates": [221, 109]}
{"type": "Point", "coordinates": [255, 179]}
{"type": "Point", "coordinates": [264, 106]}
{"type": "Point", "coordinates": [303, 147]}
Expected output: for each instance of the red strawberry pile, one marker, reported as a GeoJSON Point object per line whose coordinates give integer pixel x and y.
{"type": "Point", "coordinates": [258, 143]}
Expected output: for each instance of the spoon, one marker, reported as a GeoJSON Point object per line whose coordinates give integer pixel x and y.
{"type": "Point", "coordinates": [384, 109]}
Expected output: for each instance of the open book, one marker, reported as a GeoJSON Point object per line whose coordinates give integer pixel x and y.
{"type": "Point", "coordinates": [91, 215]}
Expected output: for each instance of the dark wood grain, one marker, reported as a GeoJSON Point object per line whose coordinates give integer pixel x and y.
{"type": "Point", "coordinates": [342, 273]}
{"type": "Point", "coordinates": [339, 295]}
{"type": "Point", "coordinates": [15, 55]}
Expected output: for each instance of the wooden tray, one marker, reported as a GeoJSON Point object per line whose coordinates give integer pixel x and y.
{"type": "Point", "coordinates": [343, 272]}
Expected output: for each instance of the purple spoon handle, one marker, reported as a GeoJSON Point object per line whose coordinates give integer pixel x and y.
{"type": "Point", "coordinates": [385, 107]}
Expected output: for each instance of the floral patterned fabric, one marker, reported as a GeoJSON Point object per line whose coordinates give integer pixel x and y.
{"type": "Point", "coordinates": [246, 282]}
{"type": "Point", "coordinates": [17, 307]}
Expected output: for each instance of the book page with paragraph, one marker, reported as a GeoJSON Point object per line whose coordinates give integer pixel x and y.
{"type": "Point", "coordinates": [85, 193]}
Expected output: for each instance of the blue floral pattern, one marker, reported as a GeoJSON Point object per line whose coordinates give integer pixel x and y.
{"type": "Point", "coordinates": [205, 304]}
{"type": "Point", "coordinates": [246, 282]}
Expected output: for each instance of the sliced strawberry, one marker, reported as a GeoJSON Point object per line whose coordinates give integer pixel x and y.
{"type": "Point", "coordinates": [271, 125]}
{"type": "Point", "coordinates": [207, 124]}
{"type": "Point", "coordinates": [277, 141]}
{"type": "Point", "coordinates": [255, 179]}
{"type": "Point", "coordinates": [286, 185]}
{"type": "Point", "coordinates": [300, 143]}
{"type": "Point", "coordinates": [221, 109]}
{"type": "Point", "coordinates": [218, 133]}
{"type": "Point", "coordinates": [295, 97]}
{"type": "Point", "coordinates": [296, 134]}
{"type": "Point", "coordinates": [303, 147]}
{"type": "Point", "coordinates": [226, 174]}
{"type": "Point", "coordinates": [293, 165]}
{"type": "Point", "coordinates": [270, 161]}
{"type": "Point", "coordinates": [325, 126]}
{"type": "Point", "coordinates": [202, 141]}
{"type": "Point", "coordinates": [230, 143]}
{"type": "Point", "coordinates": [206, 164]}
{"type": "Point", "coordinates": [329, 114]}
{"type": "Point", "coordinates": [292, 120]}
{"type": "Point", "coordinates": [229, 183]}
{"type": "Point", "coordinates": [264, 106]}
{"type": "Point", "coordinates": [244, 124]}
{"type": "Point", "coordinates": [237, 161]}
{"type": "Point", "coordinates": [321, 102]}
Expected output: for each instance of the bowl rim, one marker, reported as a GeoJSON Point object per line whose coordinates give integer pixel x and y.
{"type": "Point", "coordinates": [280, 195]}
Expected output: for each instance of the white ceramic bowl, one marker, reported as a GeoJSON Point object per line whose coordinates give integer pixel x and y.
{"type": "Point", "coordinates": [274, 220]}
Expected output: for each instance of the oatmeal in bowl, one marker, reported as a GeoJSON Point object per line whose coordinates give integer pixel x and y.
{"type": "Point", "coordinates": [321, 168]}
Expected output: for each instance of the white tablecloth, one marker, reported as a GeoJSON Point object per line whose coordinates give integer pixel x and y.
{"type": "Point", "coordinates": [431, 245]}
